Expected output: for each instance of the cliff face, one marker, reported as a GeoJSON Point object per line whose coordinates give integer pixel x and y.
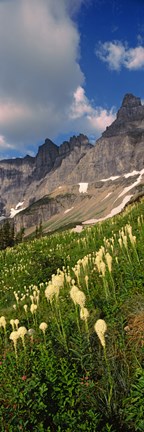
{"type": "Point", "coordinates": [120, 150]}
{"type": "Point", "coordinates": [28, 179]}
{"type": "Point", "coordinates": [121, 147]}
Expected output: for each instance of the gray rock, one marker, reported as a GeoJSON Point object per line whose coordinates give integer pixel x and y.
{"type": "Point", "coordinates": [118, 151]}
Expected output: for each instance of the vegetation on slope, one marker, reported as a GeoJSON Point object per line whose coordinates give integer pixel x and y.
{"type": "Point", "coordinates": [72, 329]}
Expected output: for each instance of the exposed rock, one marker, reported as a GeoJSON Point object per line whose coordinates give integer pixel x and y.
{"type": "Point", "coordinates": [30, 178]}
{"type": "Point", "coordinates": [120, 150]}
{"type": "Point", "coordinates": [129, 117]}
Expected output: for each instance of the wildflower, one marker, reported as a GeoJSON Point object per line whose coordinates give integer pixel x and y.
{"type": "Point", "coordinates": [68, 278]}
{"type": "Point", "coordinates": [132, 239]}
{"type": "Point", "coordinates": [100, 328]}
{"type": "Point", "coordinates": [12, 322]}
{"type": "Point", "coordinates": [3, 322]}
{"type": "Point", "coordinates": [25, 308]}
{"type": "Point", "coordinates": [84, 314]}
{"type": "Point", "coordinates": [77, 296]}
{"type": "Point", "coordinates": [16, 321]}
{"type": "Point", "coordinates": [102, 268]}
{"type": "Point", "coordinates": [24, 377]}
{"type": "Point", "coordinates": [43, 327]}
{"type": "Point", "coordinates": [86, 280]}
{"type": "Point", "coordinates": [14, 337]}
{"type": "Point", "coordinates": [16, 296]}
{"type": "Point", "coordinates": [125, 241]}
{"type": "Point", "coordinates": [51, 291]}
{"type": "Point", "coordinates": [58, 279]}
{"type": "Point", "coordinates": [33, 308]}
{"type": "Point", "coordinates": [120, 242]}
{"type": "Point", "coordinates": [109, 261]}
{"type": "Point", "coordinates": [22, 332]}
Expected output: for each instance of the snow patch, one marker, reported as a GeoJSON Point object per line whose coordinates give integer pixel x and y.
{"type": "Point", "coordinates": [68, 210]}
{"type": "Point", "coordinates": [134, 172]}
{"type": "Point", "coordinates": [107, 196]}
{"type": "Point", "coordinates": [19, 205]}
{"type": "Point", "coordinates": [60, 187]}
{"type": "Point", "coordinates": [113, 212]}
{"type": "Point", "coordinates": [126, 189]}
{"type": "Point", "coordinates": [110, 178]}
{"type": "Point", "coordinates": [14, 211]}
{"type": "Point", "coordinates": [83, 187]}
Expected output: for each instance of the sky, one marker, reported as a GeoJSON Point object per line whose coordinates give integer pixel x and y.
{"type": "Point", "coordinates": [65, 66]}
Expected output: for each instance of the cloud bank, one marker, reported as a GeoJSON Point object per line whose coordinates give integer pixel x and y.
{"type": "Point", "coordinates": [117, 55]}
{"type": "Point", "coordinates": [95, 119]}
{"type": "Point", "coordinates": [41, 91]}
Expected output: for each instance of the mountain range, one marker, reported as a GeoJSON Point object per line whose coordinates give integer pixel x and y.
{"type": "Point", "coordinates": [77, 182]}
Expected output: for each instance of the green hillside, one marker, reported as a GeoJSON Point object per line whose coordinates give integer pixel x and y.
{"type": "Point", "coordinates": [72, 329]}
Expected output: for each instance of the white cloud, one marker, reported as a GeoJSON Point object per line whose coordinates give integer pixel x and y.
{"type": "Point", "coordinates": [39, 52]}
{"type": "Point", "coordinates": [41, 91]}
{"type": "Point", "coordinates": [117, 55]}
{"type": "Point", "coordinates": [95, 119]}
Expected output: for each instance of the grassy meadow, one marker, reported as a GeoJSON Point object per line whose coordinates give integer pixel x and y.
{"type": "Point", "coordinates": [72, 329]}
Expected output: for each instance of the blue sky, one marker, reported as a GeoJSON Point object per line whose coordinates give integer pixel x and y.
{"type": "Point", "coordinates": [65, 68]}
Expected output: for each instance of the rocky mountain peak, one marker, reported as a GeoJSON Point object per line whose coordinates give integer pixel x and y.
{"type": "Point", "coordinates": [130, 117]}
{"type": "Point", "coordinates": [47, 147]}
{"type": "Point", "coordinates": [131, 109]}
{"type": "Point", "coordinates": [79, 140]}
{"type": "Point", "coordinates": [130, 100]}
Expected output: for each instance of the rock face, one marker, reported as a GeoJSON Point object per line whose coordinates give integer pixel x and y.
{"type": "Point", "coordinates": [120, 150]}
{"type": "Point", "coordinates": [129, 117]}
{"type": "Point", "coordinates": [121, 147]}
{"type": "Point", "coordinates": [28, 179]}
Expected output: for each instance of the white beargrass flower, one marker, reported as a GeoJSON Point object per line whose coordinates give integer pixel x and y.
{"type": "Point", "coordinates": [109, 261]}
{"type": "Point", "coordinates": [43, 327]}
{"type": "Point", "coordinates": [51, 291]}
{"type": "Point", "coordinates": [58, 279]}
{"type": "Point", "coordinates": [25, 307]}
{"type": "Point", "coordinates": [33, 308]}
{"type": "Point", "coordinates": [84, 314]}
{"type": "Point", "coordinates": [77, 296]}
{"type": "Point", "coordinates": [16, 321]}
{"type": "Point", "coordinates": [98, 261]}
{"type": "Point", "coordinates": [100, 328]}
{"type": "Point", "coordinates": [16, 296]}
{"type": "Point", "coordinates": [68, 278]}
{"type": "Point", "coordinates": [3, 322]}
{"type": "Point", "coordinates": [12, 322]}
{"type": "Point", "coordinates": [120, 242]}
{"type": "Point", "coordinates": [102, 268]}
{"type": "Point", "coordinates": [22, 332]}
{"type": "Point", "coordinates": [125, 241]}
{"type": "Point", "coordinates": [73, 292]}
{"type": "Point", "coordinates": [14, 337]}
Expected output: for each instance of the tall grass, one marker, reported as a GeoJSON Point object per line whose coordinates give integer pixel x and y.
{"type": "Point", "coordinates": [72, 329]}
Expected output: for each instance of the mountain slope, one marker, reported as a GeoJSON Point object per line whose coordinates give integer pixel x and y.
{"type": "Point", "coordinates": [112, 171]}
